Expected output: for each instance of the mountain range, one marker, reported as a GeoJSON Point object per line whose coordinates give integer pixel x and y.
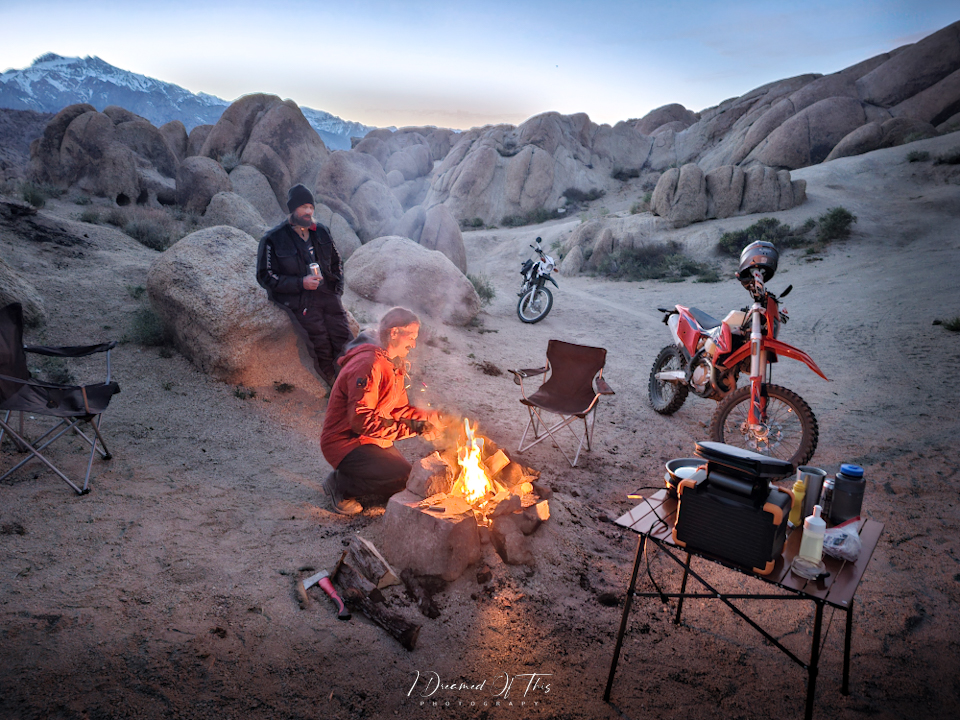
{"type": "Point", "coordinates": [52, 82]}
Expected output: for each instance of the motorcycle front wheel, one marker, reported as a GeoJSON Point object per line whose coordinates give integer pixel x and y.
{"type": "Point", "coordinates": [534, 305]}
{"type": "Point", "coordinates": [789, 431]}
{"type": "Point", "coordinates": [666, 397]}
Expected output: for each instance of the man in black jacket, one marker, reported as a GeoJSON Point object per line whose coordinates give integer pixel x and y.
{"type": "Point", "coordinates": [311, 299]}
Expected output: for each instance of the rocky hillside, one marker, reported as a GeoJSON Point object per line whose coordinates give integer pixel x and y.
{"type": "Point", "coordinates": [52, 82]}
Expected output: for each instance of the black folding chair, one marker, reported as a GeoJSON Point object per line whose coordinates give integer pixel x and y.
{"type": "Point", "coordinates": [70, 405]}
{"type": "Point", "coordinates": [568, 392]}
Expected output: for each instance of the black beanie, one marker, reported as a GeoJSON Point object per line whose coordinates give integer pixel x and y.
{"type": "Point", "coordinates": [298, 195]}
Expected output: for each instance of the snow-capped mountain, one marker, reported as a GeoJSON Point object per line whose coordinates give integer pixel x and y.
{"type": "Point", "coordinates": [52, 82]}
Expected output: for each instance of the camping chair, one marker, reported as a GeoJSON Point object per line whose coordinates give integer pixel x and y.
{"type": "Point", "coordinates": [568, 392]}
{"type": "Point", "coordinates": [69, 404]}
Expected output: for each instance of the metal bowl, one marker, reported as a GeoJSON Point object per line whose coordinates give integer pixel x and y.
{"type": "Point", "coordinates": [678, 469]}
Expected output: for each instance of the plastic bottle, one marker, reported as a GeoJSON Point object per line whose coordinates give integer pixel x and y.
{"type": "Point", "coordinates": [847, 493]}
{"type": "Point", "coordinates": [811, 545]}
{"type": "Point", "coordinates": [796, 510]}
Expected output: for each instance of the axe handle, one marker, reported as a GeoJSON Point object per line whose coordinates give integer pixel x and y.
{"type": "Point", "coordinates": [342, 612]}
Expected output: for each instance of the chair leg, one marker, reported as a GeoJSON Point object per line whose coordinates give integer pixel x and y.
{"type": "Point", "coordinates": [34, 452]}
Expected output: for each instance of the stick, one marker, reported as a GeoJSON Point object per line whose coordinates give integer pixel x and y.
{"type": "Point", "coordinates": [352, 584]}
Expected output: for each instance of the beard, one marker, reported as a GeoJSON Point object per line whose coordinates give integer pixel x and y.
{"type": "Point", "coordinates": [301, 221]}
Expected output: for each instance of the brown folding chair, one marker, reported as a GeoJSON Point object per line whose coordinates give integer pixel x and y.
{"type": "Point", "coordinates": [572, 390]}
{"type": "Point", "coordinates": [70, 405]}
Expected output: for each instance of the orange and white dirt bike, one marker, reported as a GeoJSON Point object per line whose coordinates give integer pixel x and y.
{"type": "Point", "coordinates": [709, 355]}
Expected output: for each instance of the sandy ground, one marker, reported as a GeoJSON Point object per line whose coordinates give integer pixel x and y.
{"type": "Point", "coordinates": [167, 591]}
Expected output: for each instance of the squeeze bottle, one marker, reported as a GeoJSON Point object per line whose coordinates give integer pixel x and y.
{"type": "Point", "coordinates": [796, 510]}
{"type": "Point", "coordinates": [811, 545]}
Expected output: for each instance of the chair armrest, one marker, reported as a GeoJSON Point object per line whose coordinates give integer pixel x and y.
{"type": "Point", "coordinates": [520, 374]}
{"type": "Point", "coordinates": [70, 351]}
{"type": "Point", "coordinates": [603, 388]}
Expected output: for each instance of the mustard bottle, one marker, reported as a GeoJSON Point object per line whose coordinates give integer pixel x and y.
{"type": "Point", "coordinates": [796, 510]}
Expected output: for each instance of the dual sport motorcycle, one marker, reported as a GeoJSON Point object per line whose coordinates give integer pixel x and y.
{"type": "Point", "coordinates": [535, 299]}
{"type": "Point", "coordinates": [708, 356]}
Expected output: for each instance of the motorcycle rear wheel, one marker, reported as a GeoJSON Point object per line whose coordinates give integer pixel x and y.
{"type": "Point", "coordinates": [534, 305]}
{"type": "Point", "coordinates": [667, 397]}
{"type": "Point", "coordinates": [790, 432]}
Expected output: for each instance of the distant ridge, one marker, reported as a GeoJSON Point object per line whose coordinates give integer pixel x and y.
{"type": "Point", "coordinates": [53, 82]}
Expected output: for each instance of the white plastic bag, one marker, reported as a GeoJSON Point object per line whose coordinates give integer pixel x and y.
{"type": "Point", "coordinates": [843, 541]}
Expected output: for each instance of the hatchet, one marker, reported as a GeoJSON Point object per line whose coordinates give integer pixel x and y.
{"type": "Point", "coordinates": [322, 579]}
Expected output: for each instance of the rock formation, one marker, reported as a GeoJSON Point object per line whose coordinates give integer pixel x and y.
{"type": "Point", "coordinates": [397, 271]}
{"type": "Point", "coordinates": [222, 322]}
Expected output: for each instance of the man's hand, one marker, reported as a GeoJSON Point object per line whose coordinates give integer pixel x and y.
{"type": "Point", "coordinates": [436, 424]}
{"type": "Point", "coordinates": [311, 282]}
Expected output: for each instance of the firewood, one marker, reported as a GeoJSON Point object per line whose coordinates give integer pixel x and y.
{"type": "Point", "coordinates": [422, 590]}
{"type": "Point", "coordinates": [366, 560]}
{"type": "Point", "coordinates": [352, 584]}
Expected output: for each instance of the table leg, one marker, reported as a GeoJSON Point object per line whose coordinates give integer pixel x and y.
{"type": "Point", "coordinates": [623, 621]}
{"type": "Point", "coordinates": [814, 667]}
{"type": "Point", "coordinates": [845, 687]}
{"type": "Point", "coordinates": [683, 589]}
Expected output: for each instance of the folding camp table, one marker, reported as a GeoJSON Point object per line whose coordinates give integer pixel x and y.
{"type": "Point", "coordinates": [653, 520]}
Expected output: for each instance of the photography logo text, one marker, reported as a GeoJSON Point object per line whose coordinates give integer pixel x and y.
{"type": "Point", "coordinates": [504, 690]}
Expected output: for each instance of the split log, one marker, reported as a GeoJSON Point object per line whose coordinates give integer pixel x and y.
{"type": "Point", "coordinates": [366, 559]}
{"type": "Point", "coordinates": [356, 591]}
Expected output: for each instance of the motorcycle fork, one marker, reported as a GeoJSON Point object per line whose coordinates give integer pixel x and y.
{"type": "Point", "coordinates": [758, 368]}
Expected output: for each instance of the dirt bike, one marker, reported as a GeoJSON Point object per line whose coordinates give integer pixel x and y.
{"type": "Point", "coordinates": [535, 299]}
{"type": "Point", "coordinates": [708, 356]}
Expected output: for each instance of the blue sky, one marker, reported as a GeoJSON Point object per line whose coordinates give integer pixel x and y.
{"type": "Point", "coordinates": [385, 62]}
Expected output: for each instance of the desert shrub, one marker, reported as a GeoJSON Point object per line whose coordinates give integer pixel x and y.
{"type": "Point", "coordinates": [82, 200]}
{"type": "Point", "coordinates": [150, 234]}
{"type": "Point", "coordinates": [115, 217]}
{"type": "Point", "coordinates": [56, 370]}
{"type": "Point", "coordinates": [242, 393]}
{"type": "Point", "coordinates": [951, 157]}
{"type": "Point", "coordinates": [913, 137]}
{"type": "Point", "coordinates": [576, 195]}
{"type": "Point", "coordinates": [534, 217]}
{"type": "Point", "coordinates": [647, 197]}
{"type": "Point", "coordinates": [918, 156]}
{"type": "Point", "coordinates": [472, 223]}
{"type": "Point", "coordinates": [769, 229]}
{"type": "Point", "coordinates": [637, 208]}
{"type": "Point", "coordinates": [90, 215]}
{"type": "Point", "coordinates": [31, 193]}
{"type": "Point", "coordinates": [655, 261]}
{"type": "Point", "coordinates": [146, 329]}
{"type": "Point", "coordinates": [483, 287]}
{"type": "Point", "coordinates": [624, 174]}
{"type": "Point", "coordinates": [835, 224]}
{"type": "Point", "coordinates": [229, 161]}
{"type": "Point", "coordinates": [151, 227]}
{"type": "Point", "coordinates": [136, 291]}
{"type": "Point", "coordinates": [953, 324]}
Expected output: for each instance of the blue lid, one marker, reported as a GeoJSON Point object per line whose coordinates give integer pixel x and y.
{"type": "Point", "coordinates": [851, 471]}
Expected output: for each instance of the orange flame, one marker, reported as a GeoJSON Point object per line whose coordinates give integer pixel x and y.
{"type": "Point", "coordinates": [472, 483]}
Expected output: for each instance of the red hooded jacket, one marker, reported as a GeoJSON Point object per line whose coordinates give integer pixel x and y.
{"type": "Point", "coordinates": [366, 403]}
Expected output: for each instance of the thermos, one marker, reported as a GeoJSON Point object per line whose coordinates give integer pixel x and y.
{"type": "Point", "coordinates": [847, 493]}
{"type": "Point", "coordinates": [813, 482]}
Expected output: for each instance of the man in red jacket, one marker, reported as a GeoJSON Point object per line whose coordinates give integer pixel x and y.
{"type": "Point", "coordinates": [368, 410]}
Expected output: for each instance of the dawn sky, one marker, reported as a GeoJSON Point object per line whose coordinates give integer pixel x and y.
{"type": "Point", "coordinates": [428, 62]}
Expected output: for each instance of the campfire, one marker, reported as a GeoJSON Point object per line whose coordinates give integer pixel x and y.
{"type": "Point", "coordinates": [481, 480]}
{"type": "Point", "coordinates": [466, 494]}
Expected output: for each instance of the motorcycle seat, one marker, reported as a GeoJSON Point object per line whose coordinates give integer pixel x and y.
{"type": "Point", "coordinates": [707, 322]}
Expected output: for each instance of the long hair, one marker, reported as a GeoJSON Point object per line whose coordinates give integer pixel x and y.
{"type": "Point", "coordinates": [395, 317]}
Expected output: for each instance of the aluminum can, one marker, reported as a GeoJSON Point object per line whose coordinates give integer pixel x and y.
{"type": "Point", "coordinates": [826, 500]}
